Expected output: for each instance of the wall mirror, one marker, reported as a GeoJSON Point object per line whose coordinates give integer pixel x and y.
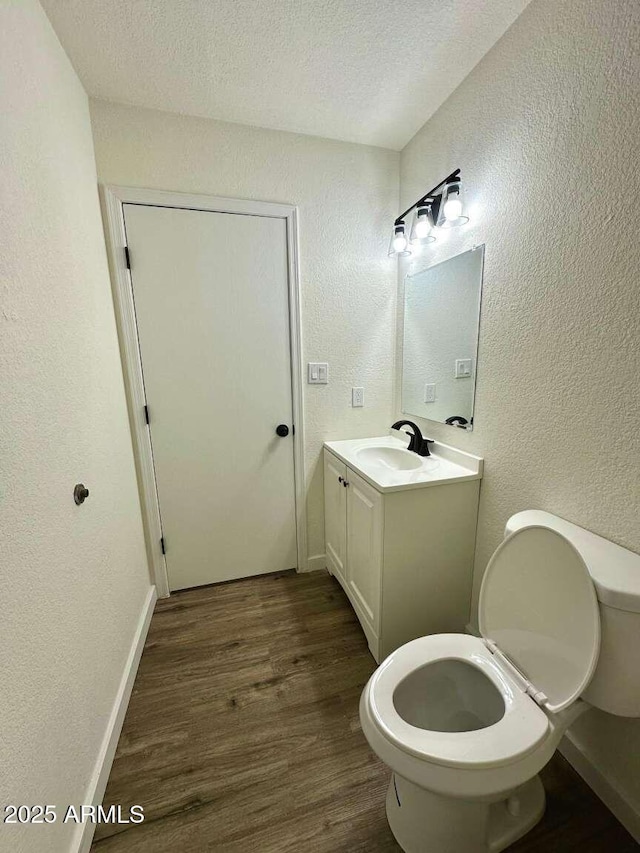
{"type": "Point", "coordinates": [440, 344]}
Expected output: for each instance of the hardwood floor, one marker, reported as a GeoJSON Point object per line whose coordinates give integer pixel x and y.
{"type": "Point", "coordinates": [243, 735]}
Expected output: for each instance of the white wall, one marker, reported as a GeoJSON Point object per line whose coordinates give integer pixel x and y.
{"type": "Point", "coordinates": [546, 130]}
{"type": "Point", "coordinates": [73, 579]}
{"type": "Point", "coordinates": [347, 195]}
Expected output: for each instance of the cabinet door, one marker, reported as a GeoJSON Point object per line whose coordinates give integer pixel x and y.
{"type": "Point", "coordinates": [335, 514]}
{"type": "Point", "coordinates": [364, 546]}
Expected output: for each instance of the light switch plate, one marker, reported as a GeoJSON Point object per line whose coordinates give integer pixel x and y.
{"type": "Point", "coordinates": [317, 373]}
{"type": "Point", "coordinates": [430, 392]}
{"type": "Point", "coordinates": [357, 397]}
{"type": "Point", "coordinates": [463, 368]}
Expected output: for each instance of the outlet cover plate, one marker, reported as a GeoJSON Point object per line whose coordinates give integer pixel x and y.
{"type": "Point", "coordinates": [357, 397]}
{"type": "Point", "coordinates": [430, 392]}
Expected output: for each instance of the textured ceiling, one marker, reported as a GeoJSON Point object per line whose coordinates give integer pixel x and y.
{"type": "Point", "coordinates": [369, 71]}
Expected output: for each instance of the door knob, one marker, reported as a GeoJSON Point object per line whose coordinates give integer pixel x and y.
{"type": "Point", "coordinates": [282, 430]}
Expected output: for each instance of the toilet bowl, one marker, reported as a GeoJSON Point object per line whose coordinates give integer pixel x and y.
{"type": "Point", "coordinates": [466, 723]}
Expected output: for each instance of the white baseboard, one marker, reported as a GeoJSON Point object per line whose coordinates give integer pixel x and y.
{"type": "Point", "coordinates": [98, 782]}
{"type": "Point", "coordinates": [610, 794]}
{"type": "Point", "coordinates": [314, 564]}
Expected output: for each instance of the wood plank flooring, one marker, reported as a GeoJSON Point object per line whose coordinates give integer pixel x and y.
{"type": "Point", "coordinates": [242, 734]}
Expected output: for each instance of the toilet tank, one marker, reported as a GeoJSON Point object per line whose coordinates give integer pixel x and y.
{"type": "Point", "coordinates": [615, 571]}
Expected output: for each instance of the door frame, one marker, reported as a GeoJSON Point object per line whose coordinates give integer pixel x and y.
{"type": "Point", "coordinates": [113, 198]}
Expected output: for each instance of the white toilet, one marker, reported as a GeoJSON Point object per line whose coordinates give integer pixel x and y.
{"type": "Point", "coordinates": [466, 723]}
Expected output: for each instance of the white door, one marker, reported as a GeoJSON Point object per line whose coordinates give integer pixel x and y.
{"type": "Point", "coordinates": [212, 311]}
{"type": "Point", "coordinates": [364, 547]}
{"type": "Point", "coordinates": [335, 514]}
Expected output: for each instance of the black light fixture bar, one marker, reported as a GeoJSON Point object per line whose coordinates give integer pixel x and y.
{"type": "Point", "coordinates": [431, 196]}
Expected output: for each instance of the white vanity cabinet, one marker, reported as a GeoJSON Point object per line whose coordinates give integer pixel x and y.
{"type": "Point", "coordinates": [403, 555]}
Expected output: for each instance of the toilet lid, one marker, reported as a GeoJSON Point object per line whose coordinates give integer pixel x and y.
{"type": "Point", "coordinates": [539, 605]}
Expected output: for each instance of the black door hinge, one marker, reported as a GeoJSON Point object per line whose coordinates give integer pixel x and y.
{"type": "Point", "coordinates": [146, 414]}
{"type": "Point", "coordinates": [163, 546]}
{"type": "Point", "coordinates": [127, 257]}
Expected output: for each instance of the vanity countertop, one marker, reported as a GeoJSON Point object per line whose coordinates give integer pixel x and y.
{"type": "Point", "coordinates": [388, 466]}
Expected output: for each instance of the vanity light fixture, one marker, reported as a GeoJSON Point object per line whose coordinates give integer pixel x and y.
{"type": "Point", "coordinates": [441, 206]}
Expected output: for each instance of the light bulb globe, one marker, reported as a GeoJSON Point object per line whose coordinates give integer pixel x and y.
{"type": "Point", "coordinates": [452, 208]}
{"type": "Point", "coordinates": [399, 242]}
{"type": "Point", "coordinates": [422, 227]}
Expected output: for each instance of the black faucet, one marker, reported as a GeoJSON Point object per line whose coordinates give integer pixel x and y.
{"type": "Point", "coordinates": [417, 444]}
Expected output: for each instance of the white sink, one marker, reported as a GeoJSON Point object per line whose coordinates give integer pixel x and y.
{"type": "Point", "coordinates": [393, 458]}
{"type": "Point", "coordinates": [388, 466]}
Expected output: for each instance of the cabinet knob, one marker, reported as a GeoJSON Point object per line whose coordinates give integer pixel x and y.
{"type": "Point", "coordinates": [339, 479]}
{"type": "Point", "coordinates": [345, 484]}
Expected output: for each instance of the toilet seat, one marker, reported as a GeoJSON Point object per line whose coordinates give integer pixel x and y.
{"type": "Point", "coordinates": [522, 728]}
{"type": "Point", "coordinates": [539, 608]}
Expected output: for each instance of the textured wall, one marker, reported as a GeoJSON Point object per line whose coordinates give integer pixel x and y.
{"type": "Point", "coordinates": [347, 196]}
{"type": "Point", "coordinates": [73, 579]}
{"type": "Point", "coordinates": [546, 130]}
